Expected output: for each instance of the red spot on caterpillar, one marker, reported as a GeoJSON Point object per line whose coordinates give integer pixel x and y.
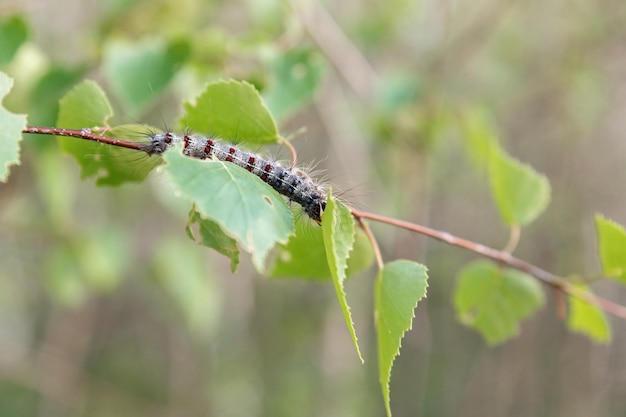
{"type": "Point", "coordinates": [250, 163]}
{"type": "Point", "coordinates": [168, 137]}
{"type": "Point", "coordinates": [231, 151]}
{"type": "Point", "coordinates": [186, 141]}
{"type": "Point", "coordinates": [209, 146]}
{"type": "Point", "coordinates": [266, 171]}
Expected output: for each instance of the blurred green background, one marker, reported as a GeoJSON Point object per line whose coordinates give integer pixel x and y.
{"type": "Point", "coordinates": [107, 309]}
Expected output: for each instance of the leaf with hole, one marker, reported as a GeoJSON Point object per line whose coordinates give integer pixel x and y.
{"type": "Point", "coordinates": [244, 207]}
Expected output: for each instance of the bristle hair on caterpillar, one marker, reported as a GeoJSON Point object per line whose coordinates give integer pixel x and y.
{"type": "Point", "coordinates": [292, 183]}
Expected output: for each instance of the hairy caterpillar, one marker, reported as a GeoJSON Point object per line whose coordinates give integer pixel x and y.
{"type": "Point", "coordinates": [292, 183]}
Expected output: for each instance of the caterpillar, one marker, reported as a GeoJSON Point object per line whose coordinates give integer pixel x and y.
{"type": "Point", "coordinates": [292, 183]}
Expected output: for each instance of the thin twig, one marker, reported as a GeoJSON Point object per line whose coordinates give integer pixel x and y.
{"type": "Point", "coordinates": [292, 150]}
{"type": "Point", "coordinates": [371, 238]}
{"type": "Point", "coordinates": [86, 134]}
{"type": "Point", "coordinates": [514, 236]}
{"type": "Point", "coordinates": [505, 258]}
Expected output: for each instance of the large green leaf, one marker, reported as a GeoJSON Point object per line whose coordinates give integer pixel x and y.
{"type": "Point", "coordinates": [10, 133]}
{"type": "Point", "coordinates": [399, 287]}
{"type": "Point", "coordinates": [296, 76]}
{"type": "Point", "coordinates": [338, 232]}
{"type": "Point", "coordinates": [587, 319]}
{"type": "Point", "coordinates": [244, 207]}
{"type": "Point", "coordinates": [521, 193]}
{"type": "Point", "coordinates": [232, 110]}
{"type": "Point", "coordinates": [494, 300]}
{"type": "Point", "coordinates": [612, 248]}
{"type": "Point", "coordinates": [138, 72]}
{"type": "Point", "coordinates": [13, 33]}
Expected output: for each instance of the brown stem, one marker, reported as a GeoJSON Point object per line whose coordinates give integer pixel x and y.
{"type": "Point", "coordinates": [86, 134]}
{"type": "Point", "coordinates": [546, 277]}
{"type": "Point", "coordinates": [370, 236]}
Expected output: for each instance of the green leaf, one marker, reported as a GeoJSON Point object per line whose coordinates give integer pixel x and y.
{"type": "Point", "coordinates": [212, 236]}
{"type": "Point", "coordinates": [399, 287]}
{"type": "Point", "coordinates": [232, 110]}
{"type": "Point", "coordinates": [10, 133]}
{"type": "Point", "coordinates": [139, 72]}
{"type": "Point", "coordinates": [13, 33]}
{"type": "Point", "coordinates": [338, 233]}
{"type": "Point", "coordinates": [521, 193]}
{"type": "Point", "coordinates": [494, 300]}
{"type": "Point", "coordinates": [612, 248]}
{"type": "Point", "coordinates": [86, 106]}
{"type": "Point", "coordinates": [296, 76]}
{"type": "Point", "coordinates": [588, 319]}
{"type": "Point", "coordinates": [304, 256]}
{"type": "Point", "coordinates": [244, 207]}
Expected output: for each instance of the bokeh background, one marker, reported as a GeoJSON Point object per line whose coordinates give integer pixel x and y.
{"type": "Point", "coordinates": [107, 309]}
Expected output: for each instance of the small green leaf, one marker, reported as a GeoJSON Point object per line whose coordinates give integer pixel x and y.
{"type": "Point", "coordinates": [304, 256]}
{"type": "Point", "coordinates": [232, 110]}
{"type": "Point", "coordinates": [296, 76]}
{"type": "Point", "coordinates": [10, 133]}
{"type": "Point", "coordinates": [138, 72]}
{"type": "Point", "coordinates": [244, 207]}
{"type": "Point", "coordinates": [13, 33]}
{"type": "Point", "coordinates": [494, 300]}
{"type": "Point", "coordinates": [213, 237]}
{"type": "Point", "coordinates": [87, 106]}
{"type": "Point", "coordinates": [612, 248]}
{"type": "Point", "coordinates": [520, 192]}
{"type": "Point", "coordinates": [399, 287]}
{"type": "Point", "coordinates": [587, 319]}
{"type": "Point", "coordinates": [338, 233]}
